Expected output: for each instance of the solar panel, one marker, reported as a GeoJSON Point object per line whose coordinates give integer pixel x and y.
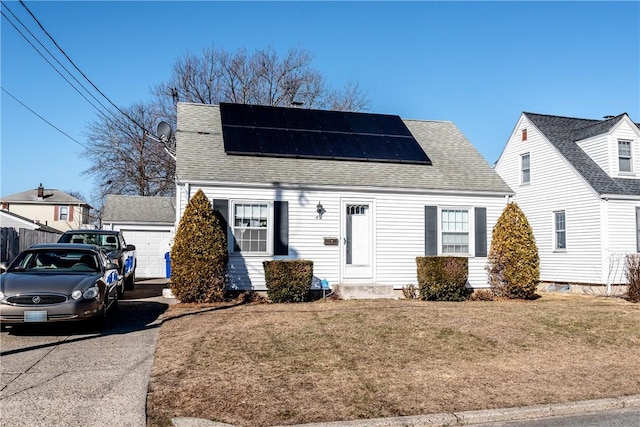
{"type": "Point", "coordinates": [258, 130]}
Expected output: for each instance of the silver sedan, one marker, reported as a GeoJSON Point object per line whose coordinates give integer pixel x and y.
{"type": "Point", "coordinates": [59, 282]}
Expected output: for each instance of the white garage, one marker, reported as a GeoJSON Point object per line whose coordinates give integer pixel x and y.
{"type": "Point", "coordinates": [147, 223]}
{"type": "Point", "coordinates": [151, 247]}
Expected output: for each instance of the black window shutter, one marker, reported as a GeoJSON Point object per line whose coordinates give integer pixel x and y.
{"type": "Point", "coordinates": [280, 228]}
{"type": "Point", "coordinates": [221, 206]}
{"type": "Point", "coordinates": [431, 230]}
{"type": "Point", "coordinates": [481, 231]}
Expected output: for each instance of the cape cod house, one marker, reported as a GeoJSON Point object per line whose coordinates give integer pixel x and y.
{"type": "Point", "coordinates": [361, 195]}
{"type": "Point", "coordinates": [578, 183]}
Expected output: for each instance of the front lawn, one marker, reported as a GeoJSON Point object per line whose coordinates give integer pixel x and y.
{"type": "Point", "coordinates": [261, 365]}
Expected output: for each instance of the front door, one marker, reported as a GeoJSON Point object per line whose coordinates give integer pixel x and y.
{"type": "Point", "coordinates": [357, 254]}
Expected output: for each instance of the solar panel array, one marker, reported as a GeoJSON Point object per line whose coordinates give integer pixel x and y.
{"type": "Point", "coordinates": [259, 130]}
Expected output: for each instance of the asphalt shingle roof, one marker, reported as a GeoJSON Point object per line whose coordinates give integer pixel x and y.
{"type": "Point", "coordinates": [121, 208]}
{"type": "Point", "coordinates": [457, 165]}
{"type": "Point", "coordinates": [563, 132]}
{"type": "Point", "coordinates": [51, 196]}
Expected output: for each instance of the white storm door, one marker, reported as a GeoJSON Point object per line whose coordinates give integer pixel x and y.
{"type": "Point", "coordinates": [357, 259]}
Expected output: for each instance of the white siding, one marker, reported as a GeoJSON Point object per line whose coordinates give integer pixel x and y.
{"type": "Point", "coordinates": [399, 231]}
{"type": "Point", "coordinates": [599, 149]}
{"type": "Point", "coordinates": [626, 130]}
{"type": "Point", "coordinates": [555, 186]}
{"type": "Point", "coordinates": [621, 239]}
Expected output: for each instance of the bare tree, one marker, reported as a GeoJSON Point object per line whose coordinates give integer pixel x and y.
{"type": "Point", "coordinates": [263, 78]}
{"type": "Point", "coordinates": [124, 160]}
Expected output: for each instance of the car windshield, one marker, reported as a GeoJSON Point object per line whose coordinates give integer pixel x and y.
{"type": "Point", "coordinates": [56, 261]}
{"type": "Point", "coordinates": [109, 242]}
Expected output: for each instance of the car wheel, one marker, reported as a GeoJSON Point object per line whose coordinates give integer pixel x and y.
{"type": "Point", "coordinates": [120, 289]}
{"type": "Point", "coordinates": [114, 304]}
{"type": "Point", "coordinates": [99, 321]}
{"type": "Point", "coordinates": [130, 282]}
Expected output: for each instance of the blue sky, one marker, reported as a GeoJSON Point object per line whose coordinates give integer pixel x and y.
{"type": "Point", "coordinates": [477, 64]}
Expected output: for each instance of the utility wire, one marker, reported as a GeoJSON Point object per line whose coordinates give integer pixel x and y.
{"type": "Point", "coordinates": [49, 62]}
{"type": "Point", "coordinates": [43, 119]}
{"type": "Point", "coordinates": [80, 71]}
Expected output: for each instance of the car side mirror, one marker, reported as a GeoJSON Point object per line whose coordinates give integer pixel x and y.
{"type": "Point", "coordinates": [111, 266]}
{"type": "Point", "coordinates": [130, 248]}
{"type": "Point", "coordinates": [3, 267]}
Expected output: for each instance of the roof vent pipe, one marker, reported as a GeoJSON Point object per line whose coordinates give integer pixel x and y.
{"type": "Point", "coordinates": [608, 117]}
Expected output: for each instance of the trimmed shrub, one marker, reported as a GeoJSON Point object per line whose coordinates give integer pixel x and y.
{"type": "Point", "coordinates": [443, 278]}
{"type": "Point", "coordinates": [288, 280]}
{"type": "Point", "coordinates": [199, 254]}
{"type": "Point", "coordinates": [632, 267]}
{"type": "Point", "coordinates": [513, 263]}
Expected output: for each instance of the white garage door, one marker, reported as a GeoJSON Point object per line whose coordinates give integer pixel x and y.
{"type": "Point", "coordinates": [150, 249]}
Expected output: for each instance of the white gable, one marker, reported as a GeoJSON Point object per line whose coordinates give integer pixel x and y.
{"type": "Point", "coordinates": [603, 148]}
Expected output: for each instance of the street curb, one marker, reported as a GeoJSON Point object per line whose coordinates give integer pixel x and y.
{"type": "Point", "coordinates": [460, 418]}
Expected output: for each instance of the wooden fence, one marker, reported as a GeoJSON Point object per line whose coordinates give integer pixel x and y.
{"type": "Point", "coordinates": [13, 242]}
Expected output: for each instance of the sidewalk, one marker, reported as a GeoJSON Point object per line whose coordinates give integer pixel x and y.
{"type": "Point", "coordinates": [461, 418]}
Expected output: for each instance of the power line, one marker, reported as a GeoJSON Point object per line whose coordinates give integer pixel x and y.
{"type": "Point", "coordinates": [80, 71]}
{"type": "Point", "coordinates": [49, 62]}
{"type": "Point", "coordinates": [44, 120]}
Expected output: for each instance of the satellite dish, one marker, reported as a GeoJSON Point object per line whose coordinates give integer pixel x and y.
{"type": "Point", "coordinates": [164, 130]}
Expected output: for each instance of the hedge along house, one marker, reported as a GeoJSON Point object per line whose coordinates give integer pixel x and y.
{"type": "Point", "coordinates": [361, 195]}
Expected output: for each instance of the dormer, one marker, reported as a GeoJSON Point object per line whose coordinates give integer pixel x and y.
{"type": "Point", "coordinates": [614, 144]}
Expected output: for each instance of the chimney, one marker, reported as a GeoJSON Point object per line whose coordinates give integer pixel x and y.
{"type": "Point", "coordinates": [40, 192]}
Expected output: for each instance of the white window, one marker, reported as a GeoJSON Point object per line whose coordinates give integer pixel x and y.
{"type": "Point", "coordinates": [251, 227]}
{"type": "Point", "coordinates": [525, 168]}
{"type": "Point", "coordinates": [64, 213]}
{"type": "Point", "coordinates": [624, 156]}
{"type": "Point", "coordinates": [560, 227]}
{"type": "Point", "coordinates": [455, 231]}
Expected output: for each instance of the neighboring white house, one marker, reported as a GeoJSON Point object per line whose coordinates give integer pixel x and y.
{"type": "Point", "coordinates": [146, 222]}
{"type": "Point", "coordinates": [578, 183]}
{"type": "Point", "coordinates": [50, 207]}
{"type": "Point", "coordinates": [360, 195]}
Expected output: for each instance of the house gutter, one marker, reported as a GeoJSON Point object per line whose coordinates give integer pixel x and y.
{"type": "Point", "coordinates": [620, 197]}
{"type": "Point", "coordinates": [352, 189]}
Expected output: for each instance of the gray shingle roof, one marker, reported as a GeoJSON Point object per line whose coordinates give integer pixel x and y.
{"type": "Point", "coordinates": [457, 165]}
{"type": "Point", "coordinates": [563, 132]}
{"type": "Point", "coordinates": [146, 209]}
{"type": "Point", "coordinates": [51, 196]}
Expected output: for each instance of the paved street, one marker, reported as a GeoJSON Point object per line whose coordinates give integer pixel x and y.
{"type": "Point", "coordinates": [629, 417]}
{"type": "Point", "coordinates": [67, 375]}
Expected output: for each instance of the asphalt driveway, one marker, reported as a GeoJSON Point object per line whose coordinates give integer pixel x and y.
{"type": "Point", "coordinates": [68, 375]}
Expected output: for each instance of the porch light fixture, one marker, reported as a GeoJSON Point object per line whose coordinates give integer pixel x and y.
{"type": "Point", "coordinates": [320, 210]}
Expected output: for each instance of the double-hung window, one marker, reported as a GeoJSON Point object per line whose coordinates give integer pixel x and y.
{"type": "Point", "coordinates": [525, 168]}
{"type": "Point", "coordinates": [455, 231]}
{"type": "Point", "coordinates": [624, 156]}
{"type": "Point", "coordinates": [251, 227]}
{"type": "Point", "coordinates": [64, 213]}
{"type": "Point", "coordinates": [560, 228]}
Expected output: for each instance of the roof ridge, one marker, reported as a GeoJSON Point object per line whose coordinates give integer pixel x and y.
{"type": "Point", "coordinates": [574, 118]}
